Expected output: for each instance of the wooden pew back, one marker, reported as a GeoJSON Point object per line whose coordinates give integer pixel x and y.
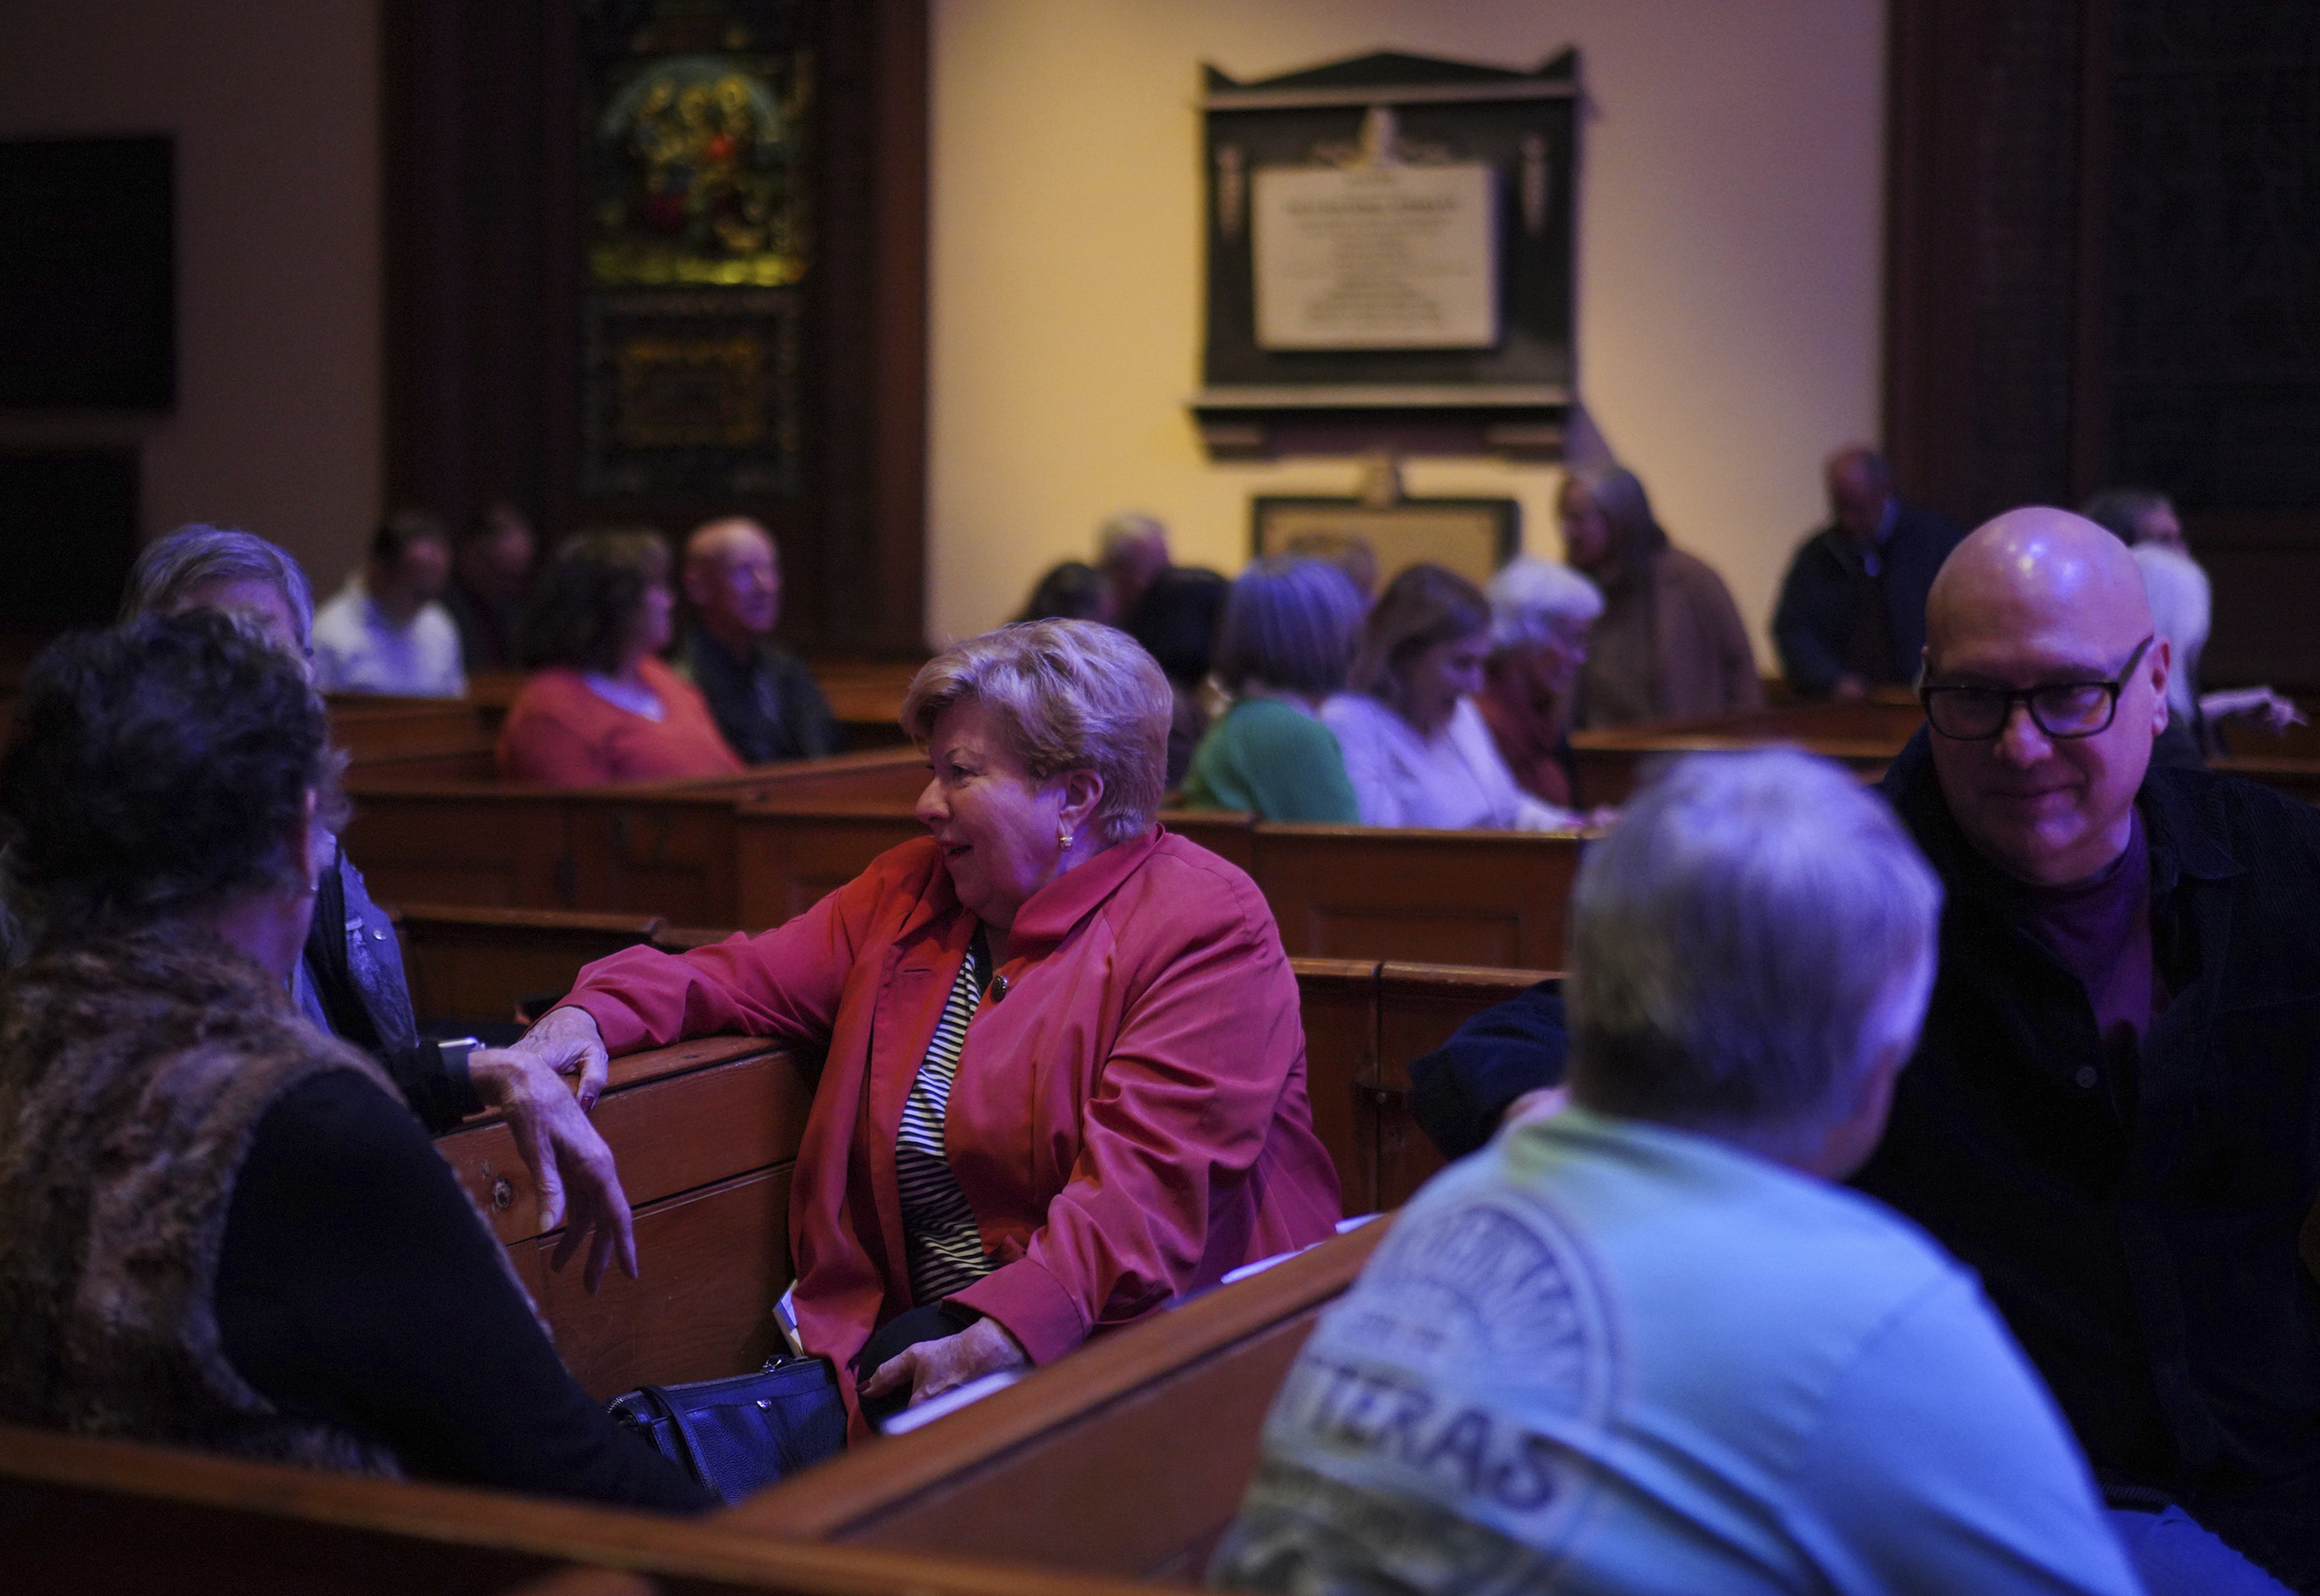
{"type": "Point", "coordinates": [94, 1517]}
{"type": "Point", "coordinates": [1436, 897]}
{"type": "Point", "coordinates": [403, 740]}
{"type": "Point", "coordinates": [1337, 892]}
{"type": "Point", "coordinates": [1364, 1021]}
{"type": "Point", "coordinates": [706, 1134]}
{"type": "Point", "coordinates": [1128, 1458]}
{"type": "Point", "coordinates": [472, 966]}
{"type": "Point", "coordinates": [666, 848]}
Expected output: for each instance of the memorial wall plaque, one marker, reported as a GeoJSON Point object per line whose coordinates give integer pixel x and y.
{"type": "Point", "coordinates": [1390, 244]}
{"type": "Point", "coordinates": [1376, 258]}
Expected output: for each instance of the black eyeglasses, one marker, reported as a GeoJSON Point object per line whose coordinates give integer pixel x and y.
{"type": "Point", "coordinates": [2062, 710]}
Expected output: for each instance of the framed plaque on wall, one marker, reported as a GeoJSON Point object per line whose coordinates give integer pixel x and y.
{"type": "Point", "coordinates": [1390, 258]}
{"type": "Point", "coordinates": [1473, 537]}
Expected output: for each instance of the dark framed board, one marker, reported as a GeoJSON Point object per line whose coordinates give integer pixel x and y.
{"type": "Point", "coordinates": [88, 276]}
{"type": "Point", "coordinates": [1389, 246]}
{"type": "Point", "coordinates": [1473, 537]}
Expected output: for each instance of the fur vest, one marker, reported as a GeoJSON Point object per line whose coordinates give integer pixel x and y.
{"type": "Point", "coordinates": [134, 1073]}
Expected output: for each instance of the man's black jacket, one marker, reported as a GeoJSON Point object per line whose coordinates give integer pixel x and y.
{"type": "Point", "coordinates": [2140, 1235]}
{"type": "Point", "coordinates": [1812, 626]}
{"type": "Point", "coordinates": [767, 705]}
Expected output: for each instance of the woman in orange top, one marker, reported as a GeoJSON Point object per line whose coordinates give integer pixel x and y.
{"type": "Point", "coordinates": [602, 707]}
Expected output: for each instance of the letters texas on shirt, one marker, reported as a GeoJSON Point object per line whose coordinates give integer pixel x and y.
{"type": "Point", "coordinates": [1605, 1355]}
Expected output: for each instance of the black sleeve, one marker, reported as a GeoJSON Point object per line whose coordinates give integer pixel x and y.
{"type": "Point", "coordinates": [438, 1090]}
{"type": "Point", "coordinates": [356, 1286]}
{"type": "Point", "coordinates": [812, 725]}
{"type": "Point", "coordinates": [1459, 1090]}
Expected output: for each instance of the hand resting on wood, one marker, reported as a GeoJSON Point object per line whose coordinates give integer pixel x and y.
{"type": "Point", "coordinates": [578, 1180]}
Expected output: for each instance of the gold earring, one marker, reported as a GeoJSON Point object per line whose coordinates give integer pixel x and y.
{"type": "Point", "coordinates": [1064, 837]}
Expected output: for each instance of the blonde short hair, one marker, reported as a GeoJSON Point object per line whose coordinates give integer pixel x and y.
{"type": "Point", "coordinates": [1069, 695]}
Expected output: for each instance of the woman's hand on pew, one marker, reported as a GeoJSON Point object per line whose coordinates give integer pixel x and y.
{"type": "Point", "coordinates": [578, 1182]}
{"type": "Point", "coordinates": [566, 1041]}
{"type": "Point", "coordinates": [933, 1367]}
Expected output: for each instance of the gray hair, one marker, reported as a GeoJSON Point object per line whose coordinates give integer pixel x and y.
{"type": "Point", "coordinates": [2181, 607]}
{"type": "Point", "coordinates": [1290, 625]}
{"type": "Point", "coordinates": [1532, 600]}
{"type": "Point", "coordinates": [1129, 526]}
{"type": "Point", "coordinates": [1754, 933]}
{"type": "Point", "coordinates": [1069, 695]}
{"type": "Point", "coordinates": [171, 570]}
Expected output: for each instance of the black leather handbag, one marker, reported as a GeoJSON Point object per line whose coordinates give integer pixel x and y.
{"type": "Point", "coordinates": [739, 1435]}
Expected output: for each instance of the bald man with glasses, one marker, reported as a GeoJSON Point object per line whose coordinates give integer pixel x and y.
{"type": "Point", "coordinates": [2114, 1112]}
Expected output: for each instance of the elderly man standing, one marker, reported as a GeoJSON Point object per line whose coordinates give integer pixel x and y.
{"type": "Point", "coordinates": [766, 702]}
{"type": "Point", "coordinates": [2114, 1114]}
{"type": "Point", "coordinates": [1644, 1344]}
{"type": "Point", "coordinates": [1132, 552]}
{"type": "Point", "coordinates": [1852, 614]}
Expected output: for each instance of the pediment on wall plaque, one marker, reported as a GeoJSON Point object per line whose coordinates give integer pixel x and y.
{"type": "Point", "coordinates": [1389, 246]}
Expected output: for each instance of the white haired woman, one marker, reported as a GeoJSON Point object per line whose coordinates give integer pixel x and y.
{"type": "Point", "coordinates": [1540, 612]}
{"type": "Point", "coordinates": [1288, 636]}
{"type": "Point", "coordinates": [986, 1182]}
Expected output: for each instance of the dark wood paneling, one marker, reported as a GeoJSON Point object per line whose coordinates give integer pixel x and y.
{"type": "Point", "coordinates": [482, 109]}
{"type": "Point", "coordinates": [1982, 251]}
{"type": "Point", "coordinates": [2099, 271]}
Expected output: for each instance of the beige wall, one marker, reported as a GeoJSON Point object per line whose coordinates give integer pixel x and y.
{"type": "Point", "coordinates": [1728, 287]}
{"type": "Point", "coordinates": [274, 106]}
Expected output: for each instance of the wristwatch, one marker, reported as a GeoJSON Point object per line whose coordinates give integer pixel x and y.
{"type": "Point", "coordinates": [456, 1053]}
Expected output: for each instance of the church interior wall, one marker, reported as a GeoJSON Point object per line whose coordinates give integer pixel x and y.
{"type": "Point", "coordinates": [1730, 250]}
{"type": "Point", "coordinates": [1728, 298]}
{"type": "Point", "coordinates": [274, 108]}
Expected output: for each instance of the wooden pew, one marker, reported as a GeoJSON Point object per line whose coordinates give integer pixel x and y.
{"type": "Point", "coordinates": [662, 849]}
{"type": "Point", "coordinates": [1861, 734]}
{"type": "Point", "coordinates": [473, 965]}
{"type": "Point", "coordinates": [1364, 1021]}
{"type": "Point", "coordinates": [414, 739]}
{"type": "Point", "coordinates": [866, 697]}
{"type": "Point", "coordinates": [95, 1518]}
{"type": "Point", "coordinates": [706, 1134]}
{"type": "Point", "coordinates": [1338, 891]}
{"type": "Point", "coordinates": [1128, 1458]}
{"type": "Point", "coordinates": [1437, 897]}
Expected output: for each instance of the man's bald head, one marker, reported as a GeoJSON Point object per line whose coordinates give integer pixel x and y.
{"type": "Point", "coordinates": [733, 579]}
{"type": "Point", "coordinates": [2038, 572]}
{"type": "Point", "coordinates": [716, 539]}
{"type": "Point", "coordinates": [2042, 598]}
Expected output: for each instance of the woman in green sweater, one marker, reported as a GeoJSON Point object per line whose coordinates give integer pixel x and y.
{"type": "Point", "coordinates": [1289, 628]}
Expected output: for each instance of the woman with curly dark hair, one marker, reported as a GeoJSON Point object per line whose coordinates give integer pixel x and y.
{"type": "Point", "coordinates": [219, 1227]}
{"type": "Point", "coordinates": [602, 707]}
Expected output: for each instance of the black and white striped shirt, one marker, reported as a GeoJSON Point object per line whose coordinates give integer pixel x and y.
{"type": "Point", "coordinates": [938, 1231]}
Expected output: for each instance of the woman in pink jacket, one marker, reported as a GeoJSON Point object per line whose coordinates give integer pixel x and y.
{"type": "Point", "coordinates": [1065, 1076]}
